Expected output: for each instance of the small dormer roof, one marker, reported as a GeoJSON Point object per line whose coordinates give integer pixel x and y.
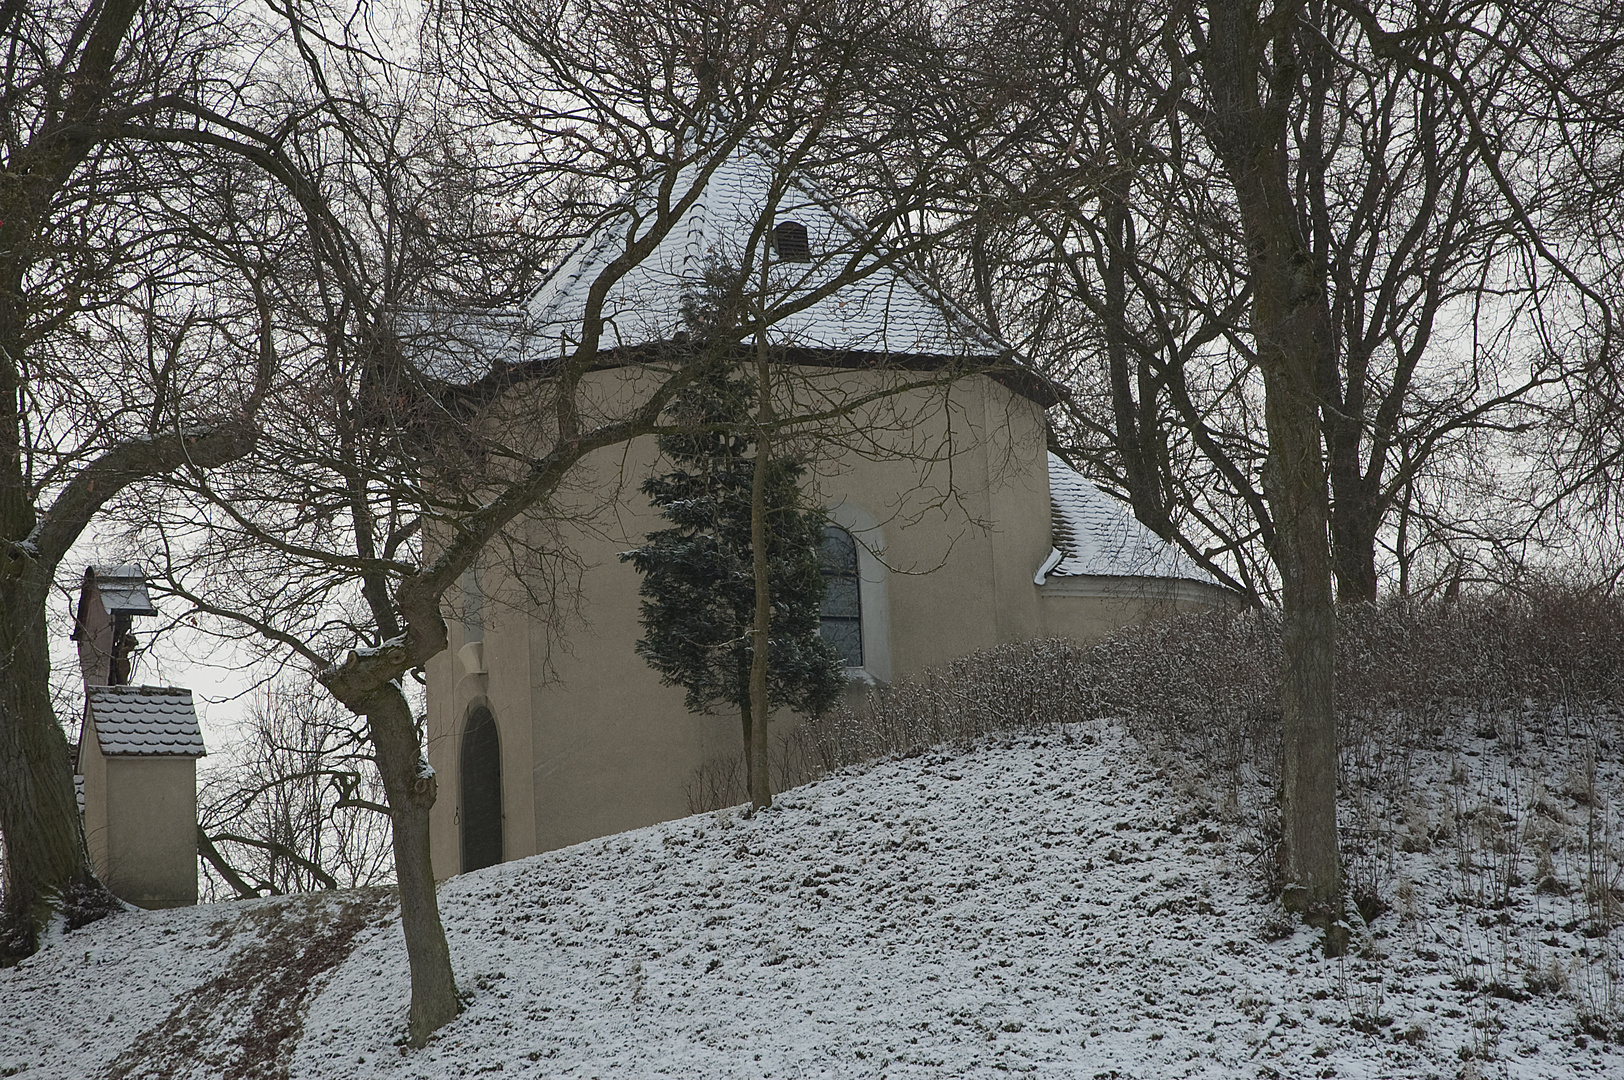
{"type": "Point", "coordinates": [1096, 536]}
{"type": "Point", "coordinates": [144, 721]}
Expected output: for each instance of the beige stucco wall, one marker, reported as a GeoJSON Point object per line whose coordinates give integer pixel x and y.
{"type": "Point", "coordinates": [141, 825]}
{"type": "Point", "coordinates": [1088, 609]}
{"type": "Point", "coordinates": [93, 766]}
{"type": "Point", "coordinates": [948, 487]}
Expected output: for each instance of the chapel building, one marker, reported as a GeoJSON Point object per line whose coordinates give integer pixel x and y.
{"type": "Point", "coordinates": [953, 529]}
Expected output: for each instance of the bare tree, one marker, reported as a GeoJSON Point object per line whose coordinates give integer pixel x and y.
{"type": "Point", "coordinates": [410, 433]}
{"type": "Point", "coordinates": [1241, 105]}
{"type": "Point", "coordinates": [1287, 259]}
{"type": "Point", "coordinates": [1580, 449]}
{"type": "Point", "coordinates": [298, 807]}
{"type": "Point", "coordinates": [116, 365]}
{"type": "Point", "coordinates": [1130, 254]}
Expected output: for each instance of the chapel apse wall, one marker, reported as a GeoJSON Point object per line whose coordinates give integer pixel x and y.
{"type": "Point", "coordinates": [951, 497]}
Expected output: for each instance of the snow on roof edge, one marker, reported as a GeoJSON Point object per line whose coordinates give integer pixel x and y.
{"type": "Point", "coordinates": [1096, 536]}
{"type": "Point", "coordinates": [144, 721]}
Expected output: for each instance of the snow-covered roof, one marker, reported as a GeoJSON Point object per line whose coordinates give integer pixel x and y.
{"type": "Point", "coordinates": [144, 721]}
{"type": "Point", "coordinates": [1096, 536]}
{"type": "Point", "coordinates": [123, 589]}
{"type": "Point", "coordinates": [463, 345]}
{"type": "Point", "coordinates": [889, 311]}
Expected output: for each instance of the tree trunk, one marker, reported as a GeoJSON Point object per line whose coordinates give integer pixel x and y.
{"type": "Point", "coordinates": [47, 869]}
{"type": "Point", "coordinates": [761, 790]}
{"type": "Point", "coordinates": [1355, 511]}
{"type": "Point", "coordinates": [1138, 439]}
{"type": "Point", "coordinates": [749, 761]}
{"type": "Point", "coordinates": [46, 864]}
{"type": "Point", "coordinates": [1309, 855]}
{"type": "Point", "coordinates": [39, 816]}
{"type": "Point", "coordinates": [1291, 324]}
{"type": "Point", "coordinates": [1136, 435]}
{"type": "Point", "coordinates": [412, 790]}
{"type": "Point", "coordinates": [1354, 523]}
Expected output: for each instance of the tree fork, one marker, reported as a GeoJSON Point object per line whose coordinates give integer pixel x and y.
{"type": "Point", "coordinates": [1353, 549]}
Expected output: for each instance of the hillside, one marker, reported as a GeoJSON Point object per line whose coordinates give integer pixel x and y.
{"type": "Point", "coordinates": [1048, 907]}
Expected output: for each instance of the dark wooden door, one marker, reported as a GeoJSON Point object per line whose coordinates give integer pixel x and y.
{"type": "Point", "coordinates": [481, 790]}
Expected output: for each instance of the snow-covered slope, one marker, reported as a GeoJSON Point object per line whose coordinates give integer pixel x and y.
{"type": "Point", "coordinates": [1048, 908]}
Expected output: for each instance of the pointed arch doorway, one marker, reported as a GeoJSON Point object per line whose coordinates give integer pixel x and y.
{"type": "Point", "coordinates": [480, 789]}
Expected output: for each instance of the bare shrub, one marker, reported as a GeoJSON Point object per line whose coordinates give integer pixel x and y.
{"type": "Point", "coordinates": [1550, 645]}
{"type": "Point", "coordinates": [716, 783]}
{"type": "Point", "coordinates": [1215, 675]}
{"type": "Point", "coordinates": [720, 781]}
{"type": "Point", "coordinates": [1208, 683]}
{"type": "Point", "coordinates": [1012, 689]}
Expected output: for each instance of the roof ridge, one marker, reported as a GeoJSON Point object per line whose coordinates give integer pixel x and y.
{"type": "Point", "coordinates": [141, 689]}
{"type": "Point", "coordinates": [598, 237]}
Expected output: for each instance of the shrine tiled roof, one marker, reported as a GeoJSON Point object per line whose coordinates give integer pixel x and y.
{"type": "Point", "coordinates": [158, 721]}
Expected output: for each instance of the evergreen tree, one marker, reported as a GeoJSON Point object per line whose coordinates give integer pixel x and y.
{"type": "Point", "coordinates": [698, 587]}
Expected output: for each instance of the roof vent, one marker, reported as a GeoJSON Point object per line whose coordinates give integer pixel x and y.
{"type": "Point", "coordinates": [790, 243]}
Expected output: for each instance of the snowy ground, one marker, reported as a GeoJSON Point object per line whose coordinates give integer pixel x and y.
{"type": "Point", "coordinates": [1047, 908]}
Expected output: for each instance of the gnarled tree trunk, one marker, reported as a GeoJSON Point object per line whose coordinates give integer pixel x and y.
{"type": "Point", "coordinates": [47, 869]}
{"type": "Point", "coordinates": [1291, 325]}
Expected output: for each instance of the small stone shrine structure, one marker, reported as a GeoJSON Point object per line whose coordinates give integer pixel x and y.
{"type": "Point", "coordinates": [138, 751]}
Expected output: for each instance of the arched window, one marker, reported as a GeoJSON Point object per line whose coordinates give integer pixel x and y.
{"type": "Point", "coordinates": [481, 790]}
{"type": "Point", "coordinates": [790, 242]}
{"type": "Point", "coordinates": [842, 612]}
